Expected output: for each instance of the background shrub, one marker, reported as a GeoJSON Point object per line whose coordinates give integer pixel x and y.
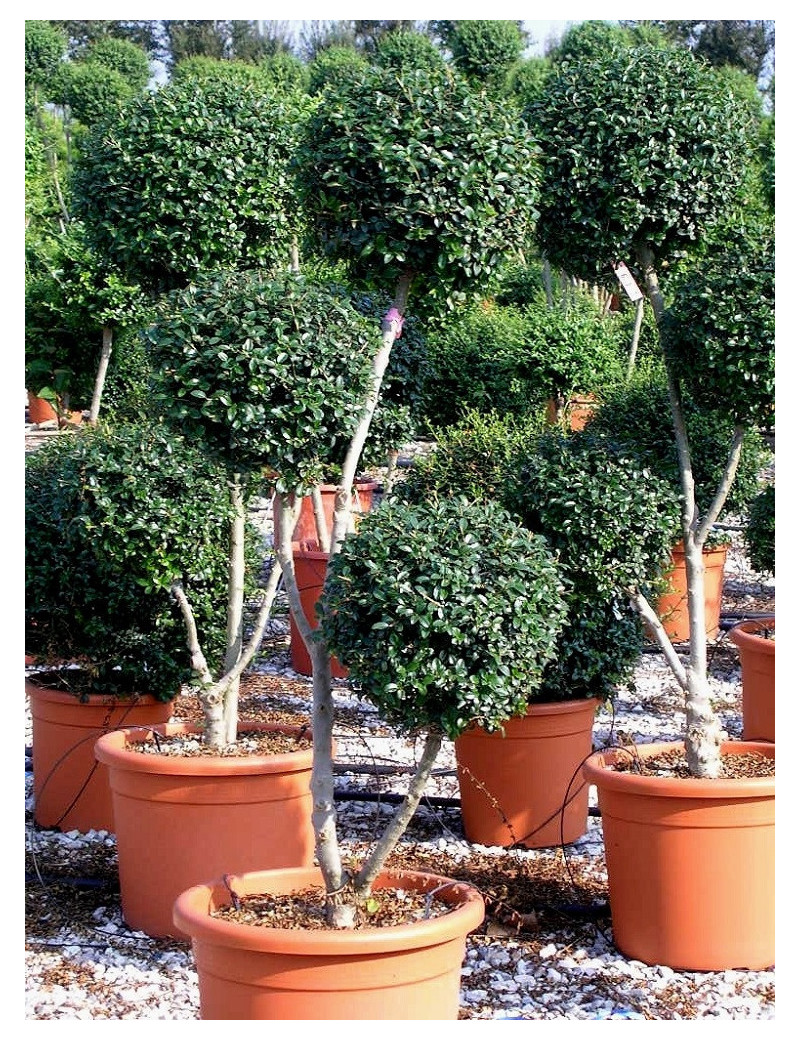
{"type": "Point", "coordinates": [759, 534]}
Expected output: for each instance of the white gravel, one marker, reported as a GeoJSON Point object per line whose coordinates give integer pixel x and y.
{"type": "Point", "coordinates": [107, 972]}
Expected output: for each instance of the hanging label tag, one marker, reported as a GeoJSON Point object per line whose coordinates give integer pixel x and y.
{"type": "Point", "coordinates": [628, 283]}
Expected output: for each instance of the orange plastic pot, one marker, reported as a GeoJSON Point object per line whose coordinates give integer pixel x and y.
{"type": "Point", "coordinates": [40, 410]}
{"type": "Point", "coordinates": [691, 863]}
{"type": "Point", "coordinates": [524, 785]}
{"type": "Point", "coordinates": [673, 606]}
{"type": "Point", "coordinates": [310, 566]}
{"type": "Point", "coordinates": [182, 819]}
{"type": "Point", "coordinates": [757, 657]}
{"type": "Point", "coordinates": [305, 530]}
{"type": "Point", "coordinates": [578, 411]}
{"type": "Point", "coordinates": [70, 788]}
{"type": "Point", "coordinates": [410, 971]}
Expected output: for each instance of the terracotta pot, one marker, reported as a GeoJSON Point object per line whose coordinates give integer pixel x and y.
{"type": "Point", "coordinates": [673, 607]}
{"type": "Point", "coordinates": [757, 657]}
{"type": "Point", "coordinates": [410, 971]}
{"type": "Point", "coordinates": [524, 785]}
{"type": "Point", "coordinates": [578, 410]}
{"type": "Point", "coordinates": [305, 530]}
{"type": "Point", "coordinates": [310, 566]}
{"type": "Point", "coordinates": [40, 410]}
{"type": "Point", "coordinates": [70, 787]}
{"type": "Point", "coordinates": [182, 819]}
{"type": "Point", "coordinates": [691, 864]}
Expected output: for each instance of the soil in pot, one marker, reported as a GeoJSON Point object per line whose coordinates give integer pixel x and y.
{"type": "Point", "coordinates": [183, 818]}
{"type": "Point", "coordinates": [261, 972]}
{"type": "Point", "coordinates": [755, 641]}
{"type": "Point", "coordinates": [71, 789]}
{"type": "Point", "coordinates": [691, 863]}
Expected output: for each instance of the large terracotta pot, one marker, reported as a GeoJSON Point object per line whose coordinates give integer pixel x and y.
{"type": "Point", "coordinates": [757, 657]}
{"type": "Point", "coordinates": [310, 566]}
{"type": "Point", "coordinates": [673, 606]}
{"type": "Point", "coordinates": [70, 787]}
{"type": "Point", "coordinates": [305, 530]}
{"type": "Point", "coordinates": [691, 863]}
{"type": "Point", "coordinates": [182, 819]}
{"type": "Point", "coordinates": [409, 971]}
{"type": "Point", "coordinates": [523, 785]}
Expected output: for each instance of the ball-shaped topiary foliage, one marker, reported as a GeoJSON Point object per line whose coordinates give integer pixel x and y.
{"type": "Point", "coordinates": [759, 534]}
{"type": "Point", "coordinates": [112, 519]}
{"type": "Point", "coordinates": [641, 146]}
{"type": "Point", "coordinates": [719, 332]}
{"type": "Point", "coordinates": [407, 49]}
{"type": "Point", "coordinates": [445, 613]}
{"type": "Point", "coordinates": [192, 177]}
{"type": "Point", "coordinates": [610, 519]}
{"type": "Point", "coordinates": [638, 419]}
{"type": "Point", "coordinates": [264, 372]}
{"type": "Point", "coordinates": [411, 173]}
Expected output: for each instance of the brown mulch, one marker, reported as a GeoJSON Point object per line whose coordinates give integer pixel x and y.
{"type": "Point", "coordinates": [738, 765]}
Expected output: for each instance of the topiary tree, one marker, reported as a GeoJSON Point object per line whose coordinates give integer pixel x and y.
{"type": "Point", "coordinates": [112, 519]}
{"type": "Point", "coordinates": [483, 51]}
{"type": "Point", "coordinates": [190, 178]}
{"type": "Point", "coordinates": [412, 182]}
{"type": "Point", "coordinates": [642, 185]}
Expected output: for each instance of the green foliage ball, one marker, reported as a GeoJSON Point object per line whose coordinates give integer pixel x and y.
{"type": "Point", "coordinates": [445, 613]}
{"type": "Point", "coordinates": [759, 534]}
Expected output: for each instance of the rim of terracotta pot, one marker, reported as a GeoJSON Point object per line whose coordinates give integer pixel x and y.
{"type": "Point", "coordinates": [111, 750]}
{"type": "Point", "coordinates": [744, 634]}
{"type": "Point", "coordinates": [596, 770]}
{"type": "Point", "coordinates": [192, 915]}
{"type": "Point", "coordinates": [56, 696]}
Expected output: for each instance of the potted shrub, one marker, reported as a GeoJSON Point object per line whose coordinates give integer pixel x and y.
{"type": "Point", "coordinates": [444, 613]}
{"type": "Point", "coordinates": [673, 889]}
{"type": "Point", "coordinates": [755, 637]}
{"type": "Point", "coordinates": [415, 223]}
{"type": "Point", "coordinates": [263, 374]}
{"type": "Point", "coordinates": [107, 514]}
{"type": "Point", "coordinates": [608, 522]}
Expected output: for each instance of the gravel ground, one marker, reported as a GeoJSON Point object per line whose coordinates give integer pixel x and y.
{"type": "Point", "coordinates": [546, 949]}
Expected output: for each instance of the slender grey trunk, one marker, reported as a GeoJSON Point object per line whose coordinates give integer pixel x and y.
{"type": "Point", "coordinates": [637, 328]}
{"type": "Point", "coordinates": [235, 608]}
{"type": "Point", "coordinates": [100, 378]}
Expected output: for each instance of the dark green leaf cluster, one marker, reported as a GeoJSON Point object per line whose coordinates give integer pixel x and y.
{"type": "Point", "coordinates": [759, 534]}
{"type": "Point", "coordinates": [123, 57]}
{"type": "Point", "coordinates": [638, 419]}
{"type": "Point", "coordinates": [483, 50]}
{"type": "Point", "coordinates": [112, 518]}
{"type": "Point", "coordinates": [264, 372]}
{"type": "Point", "coordinates": [45, 49]}
{"type": "Point", "coordinates": [412, 173]}
{"type": "Point", "coordinates": [406, 49]}
{"type": "Point", "coordinates": [720, 329]}
{"type": "Point", "coordinates": [190, 178]}
{"type": "Point", "coordinates": [92, 93]}
{"type": "Point", "coordinates": [445, 613]}
{"type": "Point", "coordinates": [612, 524]}
{"type": "Point", "coordinates": [640, 146]}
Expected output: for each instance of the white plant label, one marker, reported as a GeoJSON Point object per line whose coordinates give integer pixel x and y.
{"type": "Point", "coordinates": [628, 283]}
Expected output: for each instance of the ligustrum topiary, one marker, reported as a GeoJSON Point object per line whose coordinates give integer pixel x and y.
{"type": "Point", "coordinates": [759, 533]}
{"type": "Point", "coordinates": [112, 519]}
{"type": "Point", "coordinates": [445, 613]}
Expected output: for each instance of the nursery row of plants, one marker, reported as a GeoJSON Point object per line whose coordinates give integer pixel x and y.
{"type": "Point", "coordinates": [286, 287]}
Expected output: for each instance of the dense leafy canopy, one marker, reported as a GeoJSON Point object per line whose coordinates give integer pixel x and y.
{"type": "Point", "coordinates": [190, 178]}
{"type": "Point", "coordinates": [759, 533]}
{"type": "Point", "coordinates": [412, 173]}
{"type": "Point", "coordinates": [112, 518]}
{"type": "Point", "coordinates": [641, 146]}
{"type": "Point", "coordinates": [445, 613]}
{"type": "Point", "coordinates": [264, 373]}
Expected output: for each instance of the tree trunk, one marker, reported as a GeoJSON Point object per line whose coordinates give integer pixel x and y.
{"type": "Point", "coordinates": [637, 328]}
{"type": "Point", "coordinates": [100, 378]}
{"type": "Point", "coordinates": [235, 608]}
